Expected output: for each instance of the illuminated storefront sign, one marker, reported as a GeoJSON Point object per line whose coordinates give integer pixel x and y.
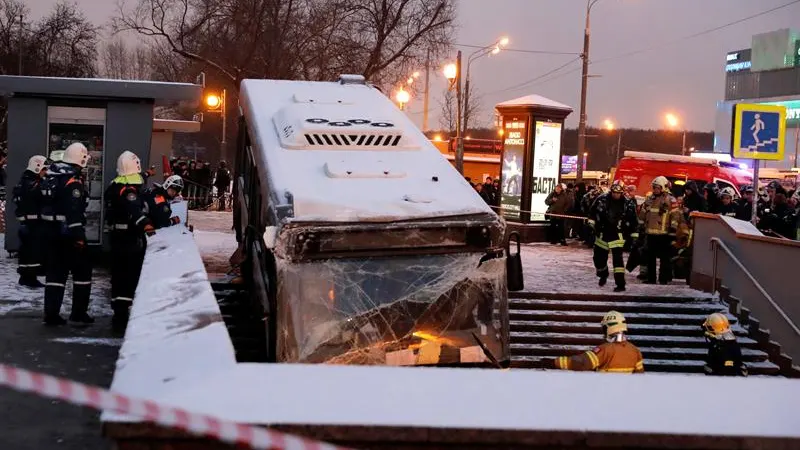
{"type": "Point", "coordinates": [738, 66]}
{"type": "Point", "coordinates": [792, 108]}
{"type": "Point", "coordinates": [738, 61]}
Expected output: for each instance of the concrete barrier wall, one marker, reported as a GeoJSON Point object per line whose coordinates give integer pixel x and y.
{"type": "Point", "coordinates": [772, 262]}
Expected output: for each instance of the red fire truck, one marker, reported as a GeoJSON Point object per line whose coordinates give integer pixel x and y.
{"type": "Point", "coordinates": [640, 168]}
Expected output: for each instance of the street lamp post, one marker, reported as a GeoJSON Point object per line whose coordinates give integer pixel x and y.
{"type": "Point", "coordinates": [402, 98]}
{"type": "Point", "coordinates": [584, 87]}
{"type": "Point", "coordinates": [491, 49]}
{"type": "Point", "coordinates": [453, 73]}
{"type": "Point", "coordinates": [672, 121]}
{"type": "Point", "coordinates": [610, 127]}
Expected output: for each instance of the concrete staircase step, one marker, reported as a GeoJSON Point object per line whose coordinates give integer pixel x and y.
{"type": "Point", "coordinates": [680, 353]}
{"type": "Point", "coordinates": [623, 307]}
{"type": "Point", "coordinates": [593, 327]}
{"type": "Point", "coordinates": [596, 316]}
{"type": "Point", "coordinates": [607, 297]}
{"type": "Point", "coordinates": [639, 340]}
{"type": "Point", "coordinates": [652, 365]}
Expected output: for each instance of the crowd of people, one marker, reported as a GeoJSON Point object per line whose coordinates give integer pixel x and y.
{"type": "Point", "coordinates": [489, 190]}
{"type": "Point", "coordinates": [203, 182]}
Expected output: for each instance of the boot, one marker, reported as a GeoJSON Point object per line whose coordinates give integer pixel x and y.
{"type": "Point", "coordinates": [54, 321]}
{"type": "Point", "coordinates": [81, 318]}
{"type": "Point", "coordinates": [602, 281]}
{"type": "Point", "coordinates": [619, 289]}
{"type": "Point", "coordinates": [30, 282]}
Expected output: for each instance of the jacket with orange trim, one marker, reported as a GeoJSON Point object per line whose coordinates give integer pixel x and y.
{"type": "Point", "coordinates": [620, 357]}
{"type": "Point", "coordinates": [64, 199]}
{"type": "Point", "coordinates": [125, 210]}
{"type": "Point", "coordinates": [156, 201]}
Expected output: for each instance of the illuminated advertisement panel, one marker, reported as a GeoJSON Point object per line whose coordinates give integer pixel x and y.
{"type": "Point", "coordinates": [513, 164]}
{"type": "Point", "coordinates": [546, 156]}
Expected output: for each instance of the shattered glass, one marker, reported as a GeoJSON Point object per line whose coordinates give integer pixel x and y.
{"type": "Point", "coordinates": [398, 310]}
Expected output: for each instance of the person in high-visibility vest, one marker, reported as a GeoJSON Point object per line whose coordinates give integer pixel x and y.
{"type": "Point", "coordinates": [616, 355]}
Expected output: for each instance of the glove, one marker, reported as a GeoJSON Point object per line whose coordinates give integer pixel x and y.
{"type": "Point", "coordinates": [149, 230]}
{"type": "Point", "coordinates": [175, 220]}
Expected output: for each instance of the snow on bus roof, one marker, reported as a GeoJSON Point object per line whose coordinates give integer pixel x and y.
{"type": "Point", "coordinates": [348, 178]}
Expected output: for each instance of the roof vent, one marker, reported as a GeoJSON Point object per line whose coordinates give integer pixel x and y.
{"type": "Point", "coordinates": [352, 79]}
{"type": "Point", "coordinates": [361, 169]}
{"type": "Point", "coordinates": [330, 126]}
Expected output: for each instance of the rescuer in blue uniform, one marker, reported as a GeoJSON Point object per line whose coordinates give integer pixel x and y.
{"type": "Point", "coordinates": [129, 222]}
{"type": "Point", "coordinates": [28, 200]}
{"type": "Point", "coordinates": [157, 201]}
{"type": "Point", "coordinates": [64, 200]}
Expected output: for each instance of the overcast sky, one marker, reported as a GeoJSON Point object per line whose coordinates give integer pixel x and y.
{"type": "Point", "coordinates": [686, 77]}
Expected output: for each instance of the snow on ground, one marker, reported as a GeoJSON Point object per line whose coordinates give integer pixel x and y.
{"type": "Point", "coordinates": [14, 297]}
{"type": "Point", "coordinates": [554, 268]}
{"type": "Point", "coordinates": [215, 239]}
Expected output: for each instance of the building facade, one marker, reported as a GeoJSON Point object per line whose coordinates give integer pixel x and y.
{"type": "Point", "coordinates": [766, 73]}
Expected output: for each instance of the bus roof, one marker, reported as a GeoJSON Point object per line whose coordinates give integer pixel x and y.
{"type": "Point", "coordinates": [346, 153]}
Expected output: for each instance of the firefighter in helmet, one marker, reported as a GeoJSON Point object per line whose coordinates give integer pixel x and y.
{"type": "Point", "coordinates": [726, 206]}
{"type": "Point", "coordinates": [128, 221]}
{"type": "Point", "coordinates": [724, 352]}
{"type": "Point", "coordinates": [28, 199]}
{"type": "Point", "coordinates": [617, 354]}
{"type": "Point", "coordinates": [613, 217]}
{"type": "Point", "coordinates": [661, 220]}
{"type": "Point", "coordinates": [157, 201]}
{"type": "Point", "coordinates": [64, 201]}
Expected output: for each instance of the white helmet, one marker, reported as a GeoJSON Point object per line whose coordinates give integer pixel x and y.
{"type": "Point", "coordinates": [76, 154]}
{"type": "Point", "coordinates": [128, 164]}
{"type": "Point", "coordinates": [36, 163]}
{"type": "Point", "coordinates": [174, 182]}
{"type": "Point", "coordinates": [727, 191]}
{"type": "Point", "coordinates": [660, 182]}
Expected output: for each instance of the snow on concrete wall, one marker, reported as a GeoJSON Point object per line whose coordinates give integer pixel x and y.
{"type": "Point", "coordinates": [176, 333]}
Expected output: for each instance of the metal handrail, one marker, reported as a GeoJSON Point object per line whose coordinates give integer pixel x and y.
{"type": "Point", "coordinates": [717, 243]}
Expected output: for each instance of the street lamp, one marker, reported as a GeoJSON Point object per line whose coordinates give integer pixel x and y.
{"type": "Point", "coordinates": [402, 97]}
{"type": "Point", "coordinates": [610, 127]}
{"type": "Point", "coordinates": [584, 87]}
{"type": "Point", "coordinates": [215, 103]}
{"type": "Point", "coordinates": [452, 72]}
{"type": "Point", "coordinates": [673, 121]}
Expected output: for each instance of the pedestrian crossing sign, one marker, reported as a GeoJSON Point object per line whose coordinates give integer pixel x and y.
{"type": "Point", "coordinates": [759, 132]}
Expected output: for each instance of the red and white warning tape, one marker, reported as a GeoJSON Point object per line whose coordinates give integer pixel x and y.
{"type": "Point", "coordinates": [197, 424]}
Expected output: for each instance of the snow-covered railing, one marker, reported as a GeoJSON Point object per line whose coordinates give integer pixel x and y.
{"type": "Point", "coordinates": [175, 334]}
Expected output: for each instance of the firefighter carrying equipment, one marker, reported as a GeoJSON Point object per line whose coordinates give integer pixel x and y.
{"type": "Point", "coordinates": [76, 154]}
{"type": "Point", "coordinates": [36, 163]}
{"type": "Point", "coordinates": [128, 164]}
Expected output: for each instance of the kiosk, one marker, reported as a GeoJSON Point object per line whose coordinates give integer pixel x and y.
{"type": "Point", "coordinates": [45, 115]}
{"type": "Point", "coordinates": [533, 127]}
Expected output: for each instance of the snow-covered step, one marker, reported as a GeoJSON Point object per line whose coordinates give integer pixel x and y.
{"type": "Point", "coordinates": [596, 316]}
{"type": "Point", "coordinates": [648, 352]}
{"type": "Point", "coordinates": [623, 307]}
{"type": "Point", "coordinates": [608, 297]}
{"type": "Point", "coordinates": [652, 365]}
{"type": "Point", "coordinates": [594, 339]}
{"type": "Point", "coordinates": [594, 328]}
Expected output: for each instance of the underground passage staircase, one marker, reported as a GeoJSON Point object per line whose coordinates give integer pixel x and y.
{"type": "Point", "coordinates": [666, 329]}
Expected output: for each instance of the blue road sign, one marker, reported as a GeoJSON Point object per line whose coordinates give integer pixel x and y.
{"type": "Point", "coordinates": [759, 132]}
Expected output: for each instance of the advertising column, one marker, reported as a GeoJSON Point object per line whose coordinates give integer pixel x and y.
{"type": "Point", "coordinates": [513, 164]}
{"type": "Point", "coordinates": [546, 158]}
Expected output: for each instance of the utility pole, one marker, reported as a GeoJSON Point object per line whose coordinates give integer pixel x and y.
{"type": "Point", "coordinates": [426, 99]}
{"type": "Point", "coordinates": [224, 113]}
{"type": "Point", "coordinates": [619, 145]}
{"type": "Point", "coordinates": [21, 37]}
{"type": "Point", "coordinates": [459, 140]}
{"type": "Point", "coordinates": [683, 144]}
{"type": "Point", "coordinates": [584, 86]}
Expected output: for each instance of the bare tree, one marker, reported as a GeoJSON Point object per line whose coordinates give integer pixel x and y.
{"type": "Point", "coordinates": [447, 119]}
{"type": "Point", "coordinates": [296, 39]}
{"type": "Point", "coordinates": [121, 61]}
{"type": "Point", "coordinates": [64, 43]}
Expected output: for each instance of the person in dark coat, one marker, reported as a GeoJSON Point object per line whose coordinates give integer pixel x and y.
{"type": "Point", "coordinates": [692, 200]}
{"type": "Point", "coordinates": [222, 181]}
{"type": "Point", "coordinates": [559, 202]}
{"type": "Point", "coordinates": [28, 199]}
